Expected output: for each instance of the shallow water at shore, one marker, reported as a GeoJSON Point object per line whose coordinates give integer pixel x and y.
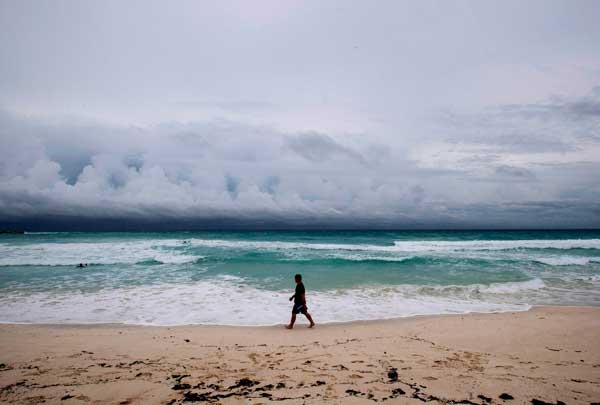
{"type": "Point", "coordinates": [245, 278]}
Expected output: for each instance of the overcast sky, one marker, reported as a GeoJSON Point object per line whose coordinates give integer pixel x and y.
{"type": "Point", "coordinates": [301, 113]}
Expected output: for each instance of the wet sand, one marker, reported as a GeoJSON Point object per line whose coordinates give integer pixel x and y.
{"type": "Point", "coordinates": [548, 354]}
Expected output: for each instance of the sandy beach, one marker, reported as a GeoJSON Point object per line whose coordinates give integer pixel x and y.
{"type": "Point", "coordinates": [549, 354]}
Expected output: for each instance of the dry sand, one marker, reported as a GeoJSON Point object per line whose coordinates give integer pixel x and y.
{"type": "Point", "coordinates": [549, 354]}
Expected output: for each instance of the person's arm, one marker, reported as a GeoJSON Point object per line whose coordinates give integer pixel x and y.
{"type": "Point", "coordinates": [292, 297]}
{"type": "Point", "coordinates": [304, 299]}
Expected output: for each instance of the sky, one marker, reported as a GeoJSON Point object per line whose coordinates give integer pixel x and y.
{"type": "Point", "coordinates": [300, 114]}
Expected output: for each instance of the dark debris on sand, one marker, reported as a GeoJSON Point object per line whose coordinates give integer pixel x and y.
{"type": "Point", "coordinates": [393, 374]}
{"type": "Point", "coordinates": [179, 377]}
{"type": "Point", "coordinates": [267, 387]}
{"type": "Point", "coordinates": [396, 392]}
{"type": "Point", "coordinates": [244, 382]}
{"type": "Point", "coordinates": [243, 388]}
{"type": "Point", "coordinates": [195, 397]}
{"type": "Point", "coordinates": [540, 402]}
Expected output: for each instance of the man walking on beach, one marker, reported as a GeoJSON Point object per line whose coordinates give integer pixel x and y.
{"type": "Point", "coordinates": [299, 303]}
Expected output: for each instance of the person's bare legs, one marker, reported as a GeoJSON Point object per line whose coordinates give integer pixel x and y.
{"type": "Point", "coordinates": [312, 323]}
{"type": "Point", "coordinates": [292, 321]}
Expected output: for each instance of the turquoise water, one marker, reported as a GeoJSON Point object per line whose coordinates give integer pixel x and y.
{"type": "Point", "coordinates": [246, 277]}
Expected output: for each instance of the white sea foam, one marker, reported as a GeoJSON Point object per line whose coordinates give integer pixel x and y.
{"type": "Point", "coordinates": [513, 287]}
{"type": "Point", "coordinates": [57, 254]}
{"type": "Point", "coordinates": [497, 292]}
{"type": "Point", "coordinates": [361, 257]}
{"type": "Point", "coordinates": [43, 233]}
{"type": "Point", "coordinates": [451, 246]}
{"type": "Point", "coordinates": [409, 246]}
{"type": "Point", "coordinates": [278, 245]}
{"type": "Point", "coordinates": [228, 300]}
{"type": "Point", "coordinates": [565, 260]}
{"type": "Point", "coordinates": [112, 252]}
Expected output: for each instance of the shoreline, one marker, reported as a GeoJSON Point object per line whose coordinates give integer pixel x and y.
{"type": "Point", "coordinates": [548, 353]}
{"type": "Point", "coordinates": [300, 320]}
{"type": "Point", "coordinates": [82, 324]}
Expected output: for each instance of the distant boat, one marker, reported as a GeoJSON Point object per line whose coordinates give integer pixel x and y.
{"type": "Point", "coordinates": [17, 231]}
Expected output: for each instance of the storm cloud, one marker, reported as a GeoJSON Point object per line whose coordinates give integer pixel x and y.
{"type": "Point", "coordinates": [299, 115]}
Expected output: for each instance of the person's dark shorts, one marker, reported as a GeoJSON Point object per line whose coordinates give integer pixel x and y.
{"type": "Point", "coordinates": [299, 309]}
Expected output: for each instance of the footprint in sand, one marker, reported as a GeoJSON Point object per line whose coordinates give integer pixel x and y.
{"type": "Point", "coordinates": [139, 375]}
{"type": "Point", "coordinates": [253, 357]}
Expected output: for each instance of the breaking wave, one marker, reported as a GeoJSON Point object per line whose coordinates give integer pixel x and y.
{"type": "Point", "coordinates": [203, 303]}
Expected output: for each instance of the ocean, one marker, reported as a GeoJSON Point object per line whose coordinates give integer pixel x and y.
{"type": "Point", "coordinates": [246, 278]}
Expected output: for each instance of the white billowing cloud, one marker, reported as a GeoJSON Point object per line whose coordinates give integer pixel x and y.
{"type": "Point", "coordinates": [194, 170]}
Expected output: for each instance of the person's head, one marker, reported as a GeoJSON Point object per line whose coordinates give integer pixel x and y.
{"type": "Point", "coordinates": [298, 278]}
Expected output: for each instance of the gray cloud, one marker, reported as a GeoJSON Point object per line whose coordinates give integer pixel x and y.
{"type": "Point", "coordinates": [511, 171]}
{"type": "Point", "coordinates": [560, 108]}
{"type": "Point", "coordinates": [557, 125]}
{"type": "Point", "coordinates": [233, 105]}
{"type": "Point", "coordinates": [300, 113]}
{"type": "Point", "coordinates": [255, 176]}
{"type": "Point", "coordinates": [318, 147]}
